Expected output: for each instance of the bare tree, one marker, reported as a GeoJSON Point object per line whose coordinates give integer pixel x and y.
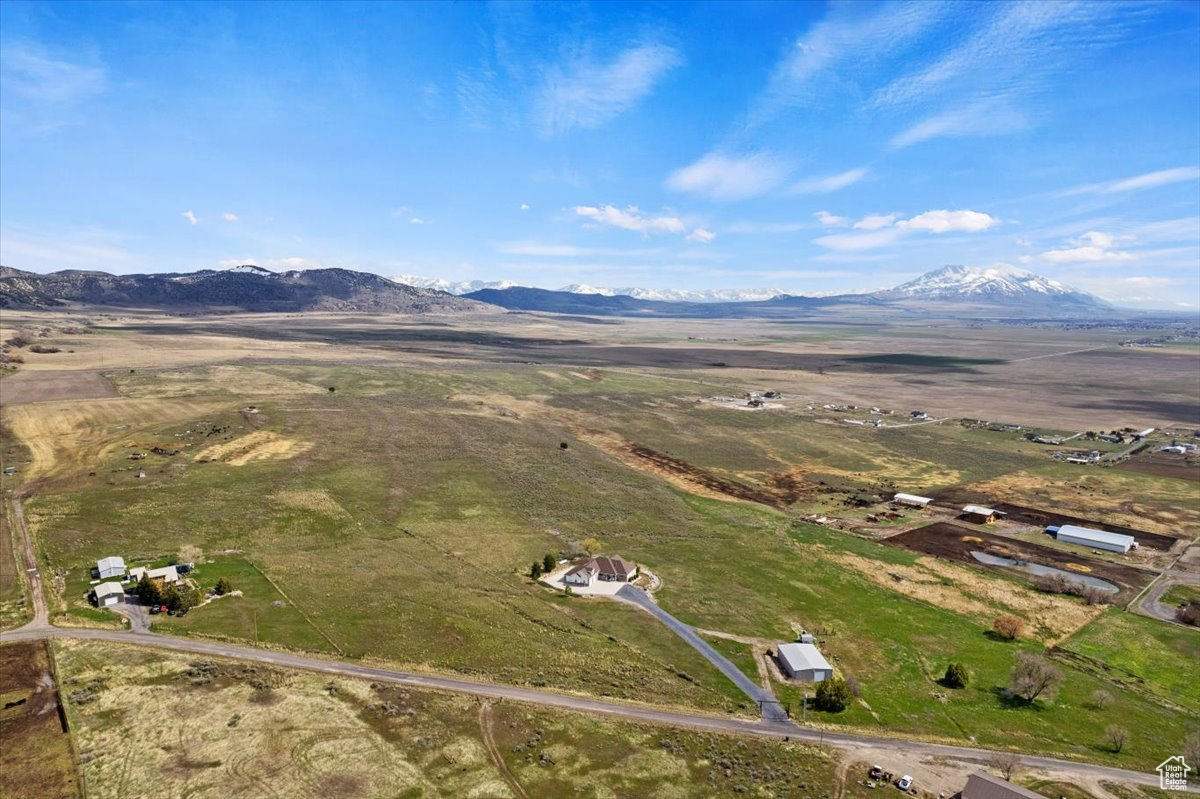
{"type": "Point", "coordinates": [1006, 763]}
{"type": "Point", "coordinates": [1101, 699]}
{"type": "Point", "coordinates": [1033, 676]}
{"type": "Point", "coordinates": [1191, 747]}
{"type": "Point", "coordinates": [1117, 736]}
{"type": "Point", "coordinates": [1008, 626]}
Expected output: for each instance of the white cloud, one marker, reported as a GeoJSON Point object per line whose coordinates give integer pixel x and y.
{"type": "Point", "coordinates": [986, 117]}
{"type": "Point", "coordinates": [1149, 180]}
{"type": "Point", "coordinates": [1091, 247]}
{"type": "Point", "coordinates": [702, 235]}
{"type": "Point", "coordinates": [828, 183]}
{"type": "Point", "coordinates": [876, 221]}
{"type": "Point", "coordinates": [190, 217]}
{"type": "Point", "coordinates": [947, 221]}
{"type": "Point", "coordinates": [400, 211]}
{"type": "Point", "coordinates": [524, 207]}
{"type": "Point", "coordinates": [724, 177]}
{"type": "Point", "coordinates": [586, 94]}
{"type": "Point", "coordinates": [229, 216]}
{"type": "Point", "coordinates": [859, 241]}
{"type": "Point", "coordinates": [416, 220]}
{"type": "Point", "coordinates": [826, 218]}
{"type": "Point", "coordinates": [630, 219]}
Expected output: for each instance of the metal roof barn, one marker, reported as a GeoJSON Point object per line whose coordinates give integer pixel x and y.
{"type": "Point", "coordinates": [110, 567]}
{"type": "Point", "coordinates": [1100, 539]}
{"type": "Point", "coordinates": [109, 594]}
{"type": "Point", "coordinates": [912, 499]}
{"type": "Point", "coordinates": [804, 662]}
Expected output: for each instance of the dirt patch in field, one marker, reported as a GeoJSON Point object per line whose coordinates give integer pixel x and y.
{"type": "Point", "coordinates": [36, 757]}
{"type": "Point", "coordinates": [257, 446]}
{"type": "Point", "coordinates": [948, 541]}
{"type": "Point", "coordinates": [957, 497]}
{"type": "Point", "coordinates": [1163, 465]}
{"type": "Point", "coordinates": [315, 500]}
{"type": "Point", "coordinates": [779, 490]}
{"type": "Point", "coordinates": [31, 385]}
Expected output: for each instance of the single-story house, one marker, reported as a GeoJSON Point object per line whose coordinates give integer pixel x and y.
{"type": "Point", "coordinates": [113, 566]}
{"type": "Point", "coordinates": [803, 662]}
{"type": "Point", "coordinates": [919, 415]}
{"type": "Point", "coordinates": [583, 574]}
{"type": "Point", "coordinates": [1100, 539]}
{"type": "Point", "coordinates": [980, 514]}
{"type": "Point", "coordinates": [611, 569]}
{"type": "Point", "coordinates": [912, 499]}
{"type": "Point", "coordinates": [167, 575]}
{"type": "Point", "coordinates": [985, 786]}
{"type": "Point", "coordinates": [108, 594]}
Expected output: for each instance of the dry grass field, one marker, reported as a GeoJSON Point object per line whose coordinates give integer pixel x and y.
{"type": "Point", "coordinates": [36, 756]}
{"type": "Point", "coordinates": [390, 479]}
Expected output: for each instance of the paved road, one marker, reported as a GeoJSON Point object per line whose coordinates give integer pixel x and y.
{"type": "Point", "coordinates": [770, 707]}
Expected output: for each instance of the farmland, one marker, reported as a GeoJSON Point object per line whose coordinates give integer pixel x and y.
{"type": "Point", "coordinates": [37, 758]}
{"type": "Point", "coordinates": [377, 488]}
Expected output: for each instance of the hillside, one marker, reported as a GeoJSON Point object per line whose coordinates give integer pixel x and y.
{"type": "Point", "coordinates": [246, 288]}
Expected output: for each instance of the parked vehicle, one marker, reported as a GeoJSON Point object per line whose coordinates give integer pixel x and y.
{"type": "Point", "coordinates": [171, 612]}
{"type": "Point", "coordinates": [904, 783]}
{"type": "Point", "coordinates": [182, 612]}
{"type": "Point", "coordinates": [154, 610]}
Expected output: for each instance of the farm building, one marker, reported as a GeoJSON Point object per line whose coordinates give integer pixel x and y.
{"type": "Point", "coordinates": [108, 594]}
{"type": "Point", "coordinates": [985, 786]}
{"type": "Point", "coordinates": [167, 575]}
{"type": "Point", "coordinates": [980, 514]}
{"type": "Point", "coordinates": [110, 567]}
{"type": "Point", "coordinates": [911, 499]}
{"type": "Point", "coordinates": [614, 569]}
{"type": "Point", "coordinates": [1100, 539]}
{"type": "Point", "coordinates": [804, 662]}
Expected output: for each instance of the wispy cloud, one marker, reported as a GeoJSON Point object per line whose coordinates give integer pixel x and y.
{"type": "Point", "coordinates": [831, 220]}
{"type": "Point", "coordinates": [586, 93]}
{"type": "Point", "coordinates": [701, 235]}
{"type": "Point", "coordinates": [987, 117]}
{"type": "Point", "coordinates": [1091, 247]}
{"type": "Point", "coordinates": [728, 177]}
{"type": "Point", "coordinates": [880, 230]}
{"type": "Point", "coordinates": [630, 218]}
{"type": "Point", "coordinates": [523, 207]}
{"type": "Point", "coordinates": [416, 220]}
{"type": "Point", "coordinates": [1149, 180]}
{"type": "Point", "coordinates": [87, 248]}
{"type": "Point", "coordinates": [30, 71]}
{"type": "Point", "coordinates": [829, 183]}
{"type": "Point", "coordinates": [190, 217]}
{"type": "Point", "coordinates": [229, 216]}
{"type": "Point", "coordinates": [541, 249]}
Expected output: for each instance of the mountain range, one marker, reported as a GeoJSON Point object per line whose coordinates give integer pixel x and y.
{"type": "Point", "coordinates": [951, 289]}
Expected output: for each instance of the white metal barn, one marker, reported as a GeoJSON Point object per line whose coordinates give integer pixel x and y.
{"type": "Point", "coordinates": [804, 662]}
{"type": "Point", "coordinates": [110, 567]}
{"type": "Point", "coordinates": [109, 594]}
{"type": "Point", "coordinates": [911, 499]}
{"type": "Point", "coordinates": [1100, 539]}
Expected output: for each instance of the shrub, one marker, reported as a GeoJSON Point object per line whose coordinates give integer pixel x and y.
{"type": "Point", "coordinates": [1008, 626]}
{"type": "Point", "coordinates": [833, 695]}
{"type": "Point", "coordinates": [535, 571]}
{"type": "Point", "coordinates": [956, 676]}
{"type": "Point", "coordinates": [1116, 736]}
{"type": "Point", "coordinates": [1100, 699]}
{"type": "Point", "coordinates": [548, 563]}
{"type": "Point", "coordinates": [1189, 614]}
{"type": "Point", "coordinates": [223, 587]}
{"type": "Point", "coordinates": [42, 348]}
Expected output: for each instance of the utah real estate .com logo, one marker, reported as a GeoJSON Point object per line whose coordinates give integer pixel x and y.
{"type": "Point", "coordinates": [1172, 774]}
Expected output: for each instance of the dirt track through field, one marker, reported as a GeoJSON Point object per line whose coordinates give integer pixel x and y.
{"type": "Point", "coordinates": [489, 742]}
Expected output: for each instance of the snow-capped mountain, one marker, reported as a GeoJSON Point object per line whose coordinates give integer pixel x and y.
{"type": "Point", "coordinates": [679, 295]}
{"type": "Point", "coordinates": [451, 286]}
{"type": "Point", "coordinates": [1000, 283]}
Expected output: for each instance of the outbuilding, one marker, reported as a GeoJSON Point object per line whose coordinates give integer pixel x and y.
{"type": "Point", "coordinates": [113, 566]}
{"type": "Point", "coordinates": [980, 514]}
{"type": "Point", "coordinates": [985, 786]}
{"type": "Point", "coordinates": [803, 662]}
{"type": "Point", "coordinates": [912, 500]}
{"type": "Point", "coordinates": [108, 594]}
{"type": "Point", "coordinates": [1100, 539]}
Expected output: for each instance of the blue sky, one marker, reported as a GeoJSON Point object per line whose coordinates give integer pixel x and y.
{"type": "Point", "coordinates": [808, 147]}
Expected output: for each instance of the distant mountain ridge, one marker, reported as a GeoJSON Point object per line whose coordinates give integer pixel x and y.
{"type": "Point", "coordinates": [996, 283]}
{"type": "Point", "coordinates": [660, 295]}
{"type": "Point", "coordinates": [247, 287]}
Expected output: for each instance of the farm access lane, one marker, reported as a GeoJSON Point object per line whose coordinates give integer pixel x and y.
{"type": "Point", "coordinates": [769, 706]}
{"type": "Point", "coordinates": [772, 729]}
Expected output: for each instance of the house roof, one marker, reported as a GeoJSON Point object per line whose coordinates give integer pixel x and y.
{"type": "Point", "coordinates": [166, 573]}
{"type": "Point", "coordinates": [800, 657]}
{"type": "Point", "coordinates": [614, 565]}
{"type": "Point", "coordinates": [1097, 535]}
{"type": "Point", "coordinates": [112, 562]}
{"type": "Point", "coordinates": [982, 511]}
{"type": "Point", "coordinates": [108, 589]}
{"type": "Point", "coordinates": [587, 566]}
{"type": "Point", "coordinates": [985, 786]}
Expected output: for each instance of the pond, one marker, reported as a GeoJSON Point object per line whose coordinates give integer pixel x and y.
{"type": "Point", "coordinates": [1038, 569]}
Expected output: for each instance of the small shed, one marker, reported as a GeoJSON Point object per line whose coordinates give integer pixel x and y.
{"type": "Point", "coordinates": [912, 500]}
{"type": "Point", "coordinates": [1100, 539]}
{"type": "Point", "coordinates": [108, 594]}
{"type": "Point", "coordinates": [113, 566]}
{"type": "Point", "coordinates": [804, 662]}
{"type": "Point", "coordinates": [980, 514]}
